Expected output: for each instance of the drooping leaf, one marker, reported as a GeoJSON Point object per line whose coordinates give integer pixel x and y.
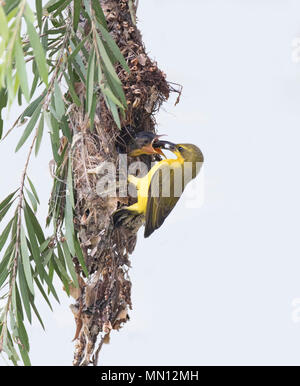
{"type": "Point", "coordinates": [40, 135]}
{"type": "Point", "coordinates": [30, 126]}
{"type": "Point", "coordinates": [80, 257]}
{"type": "Point", "coordinates": [73, 94]}
{"type": "Point", "coordinates": [39, 12]}
{"type": "Point", "coordinates": [70, 263]}
{"type": "Point", "coordinates": [4, 211]}
{"type": "Point", "coordinates": [106, 59]}
{"type": "Point", "coordinates": [24, 291]}
{"type": "Point", "coordinates": [92, 112]}
{"type": "Point", "coordinates": [114, 111]}
{"type": "Point", "coordinates": [34, 248]}
{"type": "Point", "coordinates": [4, 31]}
{"type": "Point", "coordinates": [37, 228]}
{"type": "Point", "coordinates": [38, 50]}
{"type": "Point", "coordinates": [7, 200]}
{"type": "Point", "coordinates": [32, 107]}
{"type": "Point", "coordinates": [58, 100]}
{"type": "Point", "coordinates": [66, 129]}
{"type": "Point", "coordinates": [36, 312]}
{"type": "Point", "coordinates": [5, 233]}
{"type": "Point", "coordinates": [21, 69]}
{"type": "Point", "coordinates": [43, 293]}
{"type": "Point", "coordinates": [76, 13]}
{"type": "Point", "coordinates": [69, 224]}
{"type": "Point", "coordinates": [114, 48]}
{"type": "Point", "coordinates": [61, 8]}
{"type": "Point", "coordinates": [33, 190]}
{"type": "Point", "coordinates": [32, 200]}
{"type": "Point", "coordinates": [35, 80]}
{"type": "Point", "coordinates": [76, 49]}
{"type": "Point", "coordinates": [26, 261]}
{"type": "Point", "coordinates": [99, 13]}
{"type": "Point", "coordinates": [90, 81]}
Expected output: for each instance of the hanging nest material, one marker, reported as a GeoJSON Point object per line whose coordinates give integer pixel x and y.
{"type": "Point", "coordinates": [103, 301]}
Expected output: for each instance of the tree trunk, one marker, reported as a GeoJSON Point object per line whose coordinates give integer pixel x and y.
{"type": "Point", "coordinates": [105, 297]}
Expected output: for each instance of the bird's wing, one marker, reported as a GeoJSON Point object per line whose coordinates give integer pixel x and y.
{"type": "Point", "coordinates": [164, 191]}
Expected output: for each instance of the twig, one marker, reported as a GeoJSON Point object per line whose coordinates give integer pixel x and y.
{"type": "Point", "coordinates": [18, 238]}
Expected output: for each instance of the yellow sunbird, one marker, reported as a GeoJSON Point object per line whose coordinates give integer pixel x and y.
{"type": "Point", "coordinates": [159, 191]}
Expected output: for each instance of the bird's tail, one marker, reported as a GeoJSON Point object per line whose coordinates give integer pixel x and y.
{"type": "Point", "coordinates": [123, 216]}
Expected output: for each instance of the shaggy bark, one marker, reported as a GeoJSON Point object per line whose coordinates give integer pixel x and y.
{"type": "Point", "coordinates": [104, 299]}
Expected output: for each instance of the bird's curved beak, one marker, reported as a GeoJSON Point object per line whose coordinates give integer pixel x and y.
{"type": "Point", "coordinates": [166, 145]}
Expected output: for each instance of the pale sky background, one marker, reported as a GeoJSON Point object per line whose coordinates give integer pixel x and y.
{"type": "Point", "coordinates": [216, 284]}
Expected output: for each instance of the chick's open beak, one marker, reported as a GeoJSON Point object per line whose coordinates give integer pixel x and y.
{"type": "Point", "coordinates": [149, 148]}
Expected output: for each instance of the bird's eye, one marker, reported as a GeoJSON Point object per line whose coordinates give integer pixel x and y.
{"type": "Point", "coordinates": [180, 148]}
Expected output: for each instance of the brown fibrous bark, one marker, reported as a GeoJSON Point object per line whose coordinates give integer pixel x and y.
{"type": "Point", "coordinates": [104, 299]}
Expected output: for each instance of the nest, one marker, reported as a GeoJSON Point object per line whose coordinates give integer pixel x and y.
{"type": "Point", "coordinates": [104, 298]}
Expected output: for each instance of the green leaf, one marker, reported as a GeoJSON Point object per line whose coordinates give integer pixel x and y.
{"type": "Point", "coordinates": [6, 260]}
{"type": "Point", "coordinates": [70, 263]}
{"type": "Point", "coordinates": [61, 8]}
{"type": "Point", "coordinates": [4, 235]}
{"type": "Point", "coordinates": [32, 200]}
{"type": "Point", "coordinates": [35, 250]}
{"type": "Point", "coordinates": [10, 5]}
{"type": "Point", "coordinates": [4, 32]}
{"type": "Point", "coordinates": [61, 263]}
{"type": "Point", "coordinates": [69, 224]}
{"type": "Point", "coordinates": [107, 91]}
{"type": "Point", "coordinates": [50, 286]}
{"type": "Point", "coordinates": [37, 228]}
{"type": "Point", "coordinates": [52, 5]}
{"type": "Point", "coordinates": [90, 81]}
{"type": "Point", "coordinates": [26, 261]}
{"type": "Point", "coordinates": [66, 129]}
{"type": "Point", "coordinates": [114, 48]}
{"type": "Point", "coordinates": [29, 127]}
{"type": "Point", "coordinates": [35, 79]}
{"type": "Point", "coordinates": [38, 51]}
{"type": "Point", "coordinates": [116, 88]}
{"type": "Point", "coordinates": [47, 257]}
{"type": "Point", "coordinates": [114, 111]}
{"type": "Point", "coordinates": [76, 13]}
{"type": "Point", "coordinates": [54, 135]}
{"type": "Point", "coordinates": [24, 291]}
{"type": "Point", "coordinates": [33, 190]}
{"type": "Point", "coordinates": [39, 12]}
{"type": "Point", "coordinates": [22, 332]}
{"type": "Point", "coordinates": [106, 60]}
{"type": "Point", "coordinates": [40, 135]}
{"type": "Point", "coordinates": [70, 183]}
{"type": "Point", "coordinates": [21, 69]}
{"type": "Point", "coordinates": [77, 60]}
{"type": "Point", "coordinates": [58, 100]}
{"type": "Point", "coordinates": [76, 49]}
{"type": "Point", "coordinates": [3, 275]}
{"type": "Point", "coordinates": [3, 103]}
{"type": "Point", "coordinates": [40, 287]}
{"type": "Point", "coordinates": [32, 107]}
{"type": "Point", "coordinates": [45, 36]}
{"type": "Point", "coordinates": [99, 12]}
{"type": "Point", "coordinates": [7, 200]}
{"type": "Point", "coordinates": [5, 210]}
{"type": "Point", "coordinates": [37, 313]}
{"type": "Point", "coordinates": [92, 112]}
{"type": "Point", "coordinates": [80, 257]}
{"type": "Point", "coordinates": [72, 91]}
